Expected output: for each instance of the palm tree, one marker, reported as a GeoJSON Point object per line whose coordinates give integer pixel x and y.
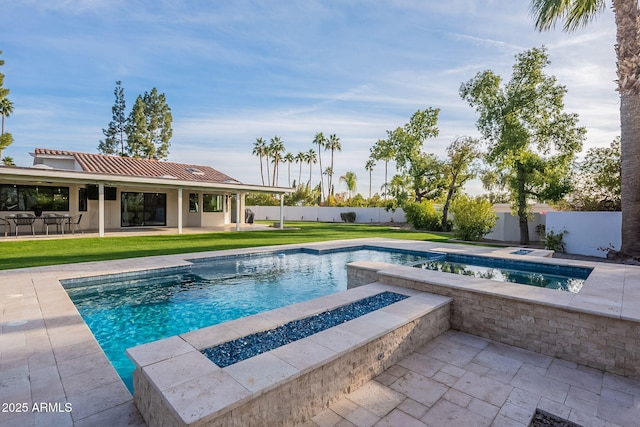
{"type": "Point", "coordinates": [259, 149]}
{"type": "Point", "coordinates": [350, 179]}
{"type": "Point", "coordinates": [383, 150]}
{"type": "Point", "coordinates": [311, 157]}
{"type": "Point", "coordinates": [321, 141]}
{"type": "Point", "coordinates": [576, 14]}
{"type": "Point", "coordinates": [289, 158]}
{"type": "Point", "coordinates": [8, 161]}
{"type": "Point", "coordinates": [300, 158]}
{"type": "Point", "coordinates": [328, 172]}
{"type": "Point", "coordinates": [276, 148]}
{"type": "Point", "coordinates": [369, 167]}
{"type": "Point", "coordinates": [333, 144]}
{"type": "Point", "coordinates": [6, 108]}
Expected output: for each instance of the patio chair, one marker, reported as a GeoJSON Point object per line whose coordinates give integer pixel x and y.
{"type": "Point", "coordinates": [6, 225]}
{"type": "Point", "coordinates": [74, 223]}
{"type": "Point", "coordinates": [52, 219]}
{"type": "Point", "coordinates": [24, 219]}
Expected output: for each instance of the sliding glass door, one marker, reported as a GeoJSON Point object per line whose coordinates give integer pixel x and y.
{"type": "Point", "coordinates": [138, 209]}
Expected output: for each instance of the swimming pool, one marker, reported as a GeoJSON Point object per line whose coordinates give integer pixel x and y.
{"type": "Point", "coordinates": [127, 310]}
{"type": "Point", "coordinates": [133, 309]}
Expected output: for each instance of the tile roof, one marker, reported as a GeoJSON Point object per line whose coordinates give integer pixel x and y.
{"type": "Point", "coordinates": [129, 166]}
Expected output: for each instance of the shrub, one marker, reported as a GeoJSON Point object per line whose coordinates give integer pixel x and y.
{"type": "Point", "coordinates": [472, 218]}
{"type": "Point", "coordinates": [553, 241]}
{"type": "Point", "coordinates": [422, 215]}
{"type": "Point", "coordinates": [348, 216]}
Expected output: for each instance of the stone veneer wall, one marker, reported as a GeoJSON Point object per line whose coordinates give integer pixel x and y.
{"type": "Point", "coordinates": [296, 401]}
{"type": "Point", "coordinates": [606, 343]}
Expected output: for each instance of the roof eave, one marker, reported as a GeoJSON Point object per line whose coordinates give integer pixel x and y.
{"type": "Point", "coordinates": [77, 177]}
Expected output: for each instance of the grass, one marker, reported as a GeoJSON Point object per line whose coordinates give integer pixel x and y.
{"type": "Point", "coordinates": [35, 253]}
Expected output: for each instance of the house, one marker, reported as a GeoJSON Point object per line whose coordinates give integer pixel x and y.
{"type": "Point", "coordinates": [115, 192]}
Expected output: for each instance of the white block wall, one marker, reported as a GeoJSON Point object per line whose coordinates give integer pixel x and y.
{"type": "Point", "coordinates": [588, 232]}
{"type": "Point", "coordinates": [327, 214]}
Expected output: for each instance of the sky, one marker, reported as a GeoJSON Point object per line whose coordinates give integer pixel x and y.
{"type": "Point", "coordinates": [233, 71]}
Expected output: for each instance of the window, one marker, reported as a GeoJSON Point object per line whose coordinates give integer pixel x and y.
{"type": "Point", "coordinates": [212, 203]}
{"type": "Point", "coordinates": [193, 202]}
{"type": "Point", "coordinates": [27, 198]}
{"type": "Point", "coordinates": [139, 209]}
{"type": "Point", "coordinates": [82, 199]}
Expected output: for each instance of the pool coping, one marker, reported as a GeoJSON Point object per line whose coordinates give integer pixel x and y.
{"type": "Point", "coordinates": [57, 351]}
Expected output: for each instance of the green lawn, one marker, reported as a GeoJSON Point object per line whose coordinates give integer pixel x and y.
{"type": "Point", "coordinates": [33, 253]}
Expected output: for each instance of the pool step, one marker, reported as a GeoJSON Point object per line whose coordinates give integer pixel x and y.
{"type": "Point", "coordinates": [175, 385]}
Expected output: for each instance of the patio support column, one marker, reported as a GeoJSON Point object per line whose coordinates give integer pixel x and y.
{"type": "Point", "coordinates": [282, 211]}
{"type": "Point", "coordinates": [179, 210]}
{"type": "Point", "coordinates": [238, 218]}
{"type": "Point", "coordinates": [101, 209]}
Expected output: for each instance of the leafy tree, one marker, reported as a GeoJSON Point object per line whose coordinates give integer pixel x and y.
{"type": "Point", "coordinates": [137, 131]}
{"type": "Point", "coordinates": [369, 168]}
{"type": "Point", "coordinates": [472, 218]}
{"type": "Point", "coordinates": [159, 119]}
{"type": "Point", "coordinates": [423, 170]}
{"type": "Point", "coordinates": [384, 151]}
{"type": "Point", "coordinates": [598, 180]}
{"type": "Point", "coordinates": [6, 109]}
{"type": "Point", "coordinates": [116, 131]}
{"type": "Point", "coordinates": [259, 149]}
{"type": "Point", "coordinates": [350, 179]}
{"type": "Point", "coordinates": [576, 14]}
{"type": "Point", "coordinates": [532, 142]}
{"type": "Point", "coordinates": [149, 127]}
{"type": "Point", "coordinates": [461, 154]}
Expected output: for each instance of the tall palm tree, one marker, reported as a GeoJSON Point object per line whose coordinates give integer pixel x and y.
{"type": "Point", "coordinates": [300, 158]}
{"type": "Point", "coordinates": [383, 150]}
{"type": "Point", "coordinates": [321, 141]}
{"type": "Point", "coordinates": [6, 108]}
{"type": "Point", "coordinates": [276, 148]}
{"type": "Point", "coordinates": [333, 144]}
{"type": "Point", "coordinates": [259, 149]}
{"type": "Point", "coordinates": [289, 158]}
{"type": "Point", "coordinates": [311, 157]}
{"type": "Point", "coordinates": [369, 168]}
{"type": "Point", "coordinates": [350, 179]}
{"type": "Point", "coordinates": [576, 14]}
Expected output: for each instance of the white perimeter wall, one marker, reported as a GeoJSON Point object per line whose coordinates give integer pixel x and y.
{"type": "Point", "coordinates": [507, 228]}
{"type": "Point", "coordinates": [587, 231]}
{"type": "Point", "coordinates": [326, 214]}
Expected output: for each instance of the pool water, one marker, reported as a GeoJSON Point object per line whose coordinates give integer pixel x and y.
{"type": "Point", "coordinates": [564, 278]}
{"type": "Point", "coordinates": [127, 311]}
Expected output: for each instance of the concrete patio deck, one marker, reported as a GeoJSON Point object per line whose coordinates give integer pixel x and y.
{"type": "Point", "coordinates": [49, 358]}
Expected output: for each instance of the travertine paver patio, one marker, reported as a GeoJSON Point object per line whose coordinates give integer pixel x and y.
{"type": "Point", "coordinates": [54, 359]}
{"type": "Point", "coordinates": [463, 380]}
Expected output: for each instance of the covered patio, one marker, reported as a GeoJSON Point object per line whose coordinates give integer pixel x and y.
{"type": "Point", "coordinates": [121, 193]}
